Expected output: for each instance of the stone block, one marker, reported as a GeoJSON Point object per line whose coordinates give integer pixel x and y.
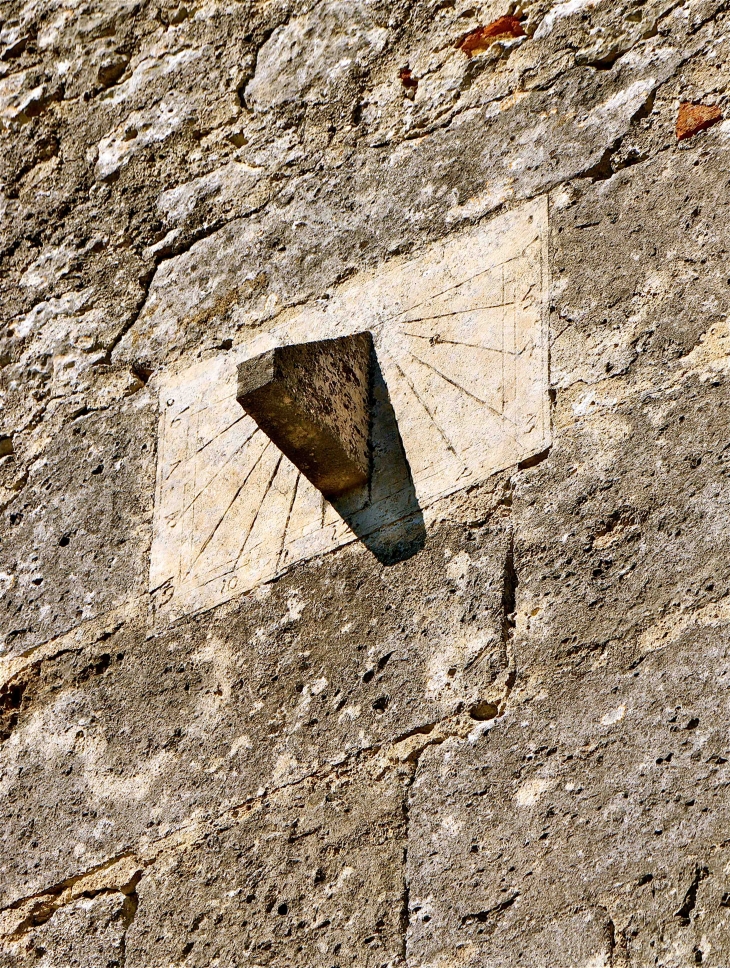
{"type": "Point", "coordinates": [582, 829]}
{"type": "Point", "coordinates": [74, 539]}
{"type": "Point", "coordinates": [311, 875]}
{"type": "Point", "coordinates": [141, 733]}
{"type": "Point", "coordinates": [313, 401]}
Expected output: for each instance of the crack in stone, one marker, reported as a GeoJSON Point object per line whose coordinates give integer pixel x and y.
{"type": "Point", "coordinates": [41, 907]}
{"type": "Point", "coordinates": [690, 897]}
{"type": "Point", "coordinates": [129, 911]}
{"type": "Point", "coordinates": [481, 917]}
{"type": "Point", "coordinates": [510, 581]}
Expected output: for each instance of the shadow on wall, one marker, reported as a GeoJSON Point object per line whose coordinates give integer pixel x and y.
{"type": "Point", "coordinates": [390, 495]}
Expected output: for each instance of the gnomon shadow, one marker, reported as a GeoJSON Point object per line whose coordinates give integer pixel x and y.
{"type": "Point", "coordinates": [385, 514]}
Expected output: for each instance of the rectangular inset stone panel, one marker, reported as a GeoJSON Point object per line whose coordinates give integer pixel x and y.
{"type": "Point", "coordinates": [459, 392]}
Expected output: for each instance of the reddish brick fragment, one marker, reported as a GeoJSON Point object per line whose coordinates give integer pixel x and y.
{"type": "Point", "coordinates": [479, 40]}
{"type": "Point", "coordinates": [693, 118]}
{"type": "Point", "coordinates": [407, 79]}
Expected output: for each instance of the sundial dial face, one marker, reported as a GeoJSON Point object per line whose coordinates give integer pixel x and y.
{"type": "Point", "coordinates": [460, 336]}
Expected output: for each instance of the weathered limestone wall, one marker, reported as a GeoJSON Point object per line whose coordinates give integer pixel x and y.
{"type": "Point", "coordinates": [478, 715]}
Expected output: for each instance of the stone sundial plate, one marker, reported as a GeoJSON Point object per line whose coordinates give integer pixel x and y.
{"type": "Point", "coordinates": [461, 391]}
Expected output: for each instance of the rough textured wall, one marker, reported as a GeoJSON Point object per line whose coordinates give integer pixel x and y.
{"type": "Point", "coordinates": [507, 749]}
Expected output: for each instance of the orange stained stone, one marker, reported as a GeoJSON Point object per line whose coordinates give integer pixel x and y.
{"type": "Point", "coordinates": [482, 38]}
{"type": "Point", "coordinates": [693, 118]}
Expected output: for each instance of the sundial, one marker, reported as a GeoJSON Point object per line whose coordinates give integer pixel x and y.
{"type": "Point", "coordinates": [460, 391]}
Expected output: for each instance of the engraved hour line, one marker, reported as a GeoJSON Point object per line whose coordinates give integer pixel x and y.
{"type": "Point", "coordinates": [463, 282]}
{"type": "Point", "coordinates": [230, 505]}
{"type": "Point", "coordinates": [503, 345]}
{"type": "Point", "coordinates": [455, 312]}
{"type": "Point", "coordinates": [258, 511]}
{"type": "Point", "coordinates": [206, 444]}
{"type": "Point", "coordinates": [457, 285]}
{"type": "Point", "coordinates": [454, 342]}
{"type": "Point", "coordinates": [218, 435]}
{"type": "Point", "coordinates": [219, 471]}
{"type": "Point", "coordinates": [417, 395]}
{"type": "Point", "coordinates": [458, 386]}
{"type": "Point", "coordinates": [463, 389]}
{"type": "Point", "coordinates": [288, 518]}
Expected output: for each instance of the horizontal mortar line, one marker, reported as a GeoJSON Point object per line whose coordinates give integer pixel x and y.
{"type": "Point", "coordinates": [156, 848]}
{"type": "Point", "coordinates": [56, 890]}
{"type": "Point", "coordinates": [232, 502]}
{"type": "Point", "coordinates": [15, 664]}
{"type": "Point", "coordinates": [146, 855]}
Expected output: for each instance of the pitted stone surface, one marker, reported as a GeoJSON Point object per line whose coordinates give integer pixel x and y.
{"type": "Point", "coordinates": [474, 714]}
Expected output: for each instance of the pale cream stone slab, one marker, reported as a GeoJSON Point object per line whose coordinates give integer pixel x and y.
{"type": "Point", "coordinates": [460, 334]}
